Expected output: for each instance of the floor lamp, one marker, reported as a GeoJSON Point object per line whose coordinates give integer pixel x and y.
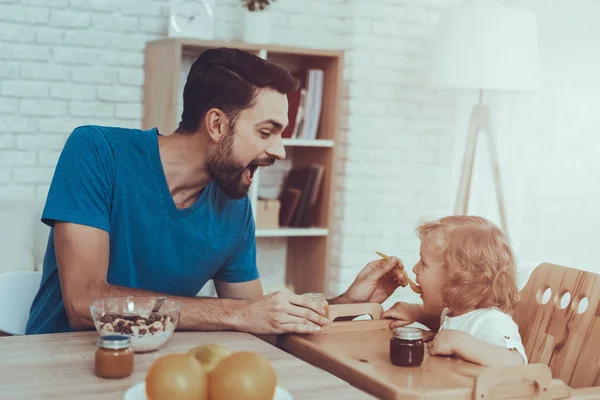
{"type": "Point", "coordinates": [485, 49]}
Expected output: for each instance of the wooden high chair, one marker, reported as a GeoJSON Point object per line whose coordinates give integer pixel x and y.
{"type": "Point", "coordinates": [557, 328]}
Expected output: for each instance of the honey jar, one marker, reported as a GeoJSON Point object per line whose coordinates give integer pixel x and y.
{"type": "Point", "coordinates": [114, 357]}
{"type": "Point", "coordinates": [320, 297]}
{"type": "Point", "coordinates": [406, 347]}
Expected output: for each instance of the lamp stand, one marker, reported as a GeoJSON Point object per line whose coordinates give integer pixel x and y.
{"type": "Point", "coordinates": [480, 121]}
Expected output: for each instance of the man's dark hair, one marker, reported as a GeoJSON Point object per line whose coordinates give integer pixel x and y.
{"type": "Point", "coordinates": [228, 79]}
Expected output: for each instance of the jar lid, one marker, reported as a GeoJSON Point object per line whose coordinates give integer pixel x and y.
{"type": "Point", "coordinates": [114, 342]}
{"type": "Point", "coordinates": [408, 333]}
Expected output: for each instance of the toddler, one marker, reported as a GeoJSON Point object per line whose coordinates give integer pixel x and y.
{"type": "Point", "coordinates": [468, 281]}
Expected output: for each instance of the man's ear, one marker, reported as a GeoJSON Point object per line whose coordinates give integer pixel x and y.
{"type": "Point", "coordinates": [216, 124]}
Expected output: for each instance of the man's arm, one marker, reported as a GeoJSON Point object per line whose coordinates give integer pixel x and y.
{"type": "Point", "coordinates": [82, 254]}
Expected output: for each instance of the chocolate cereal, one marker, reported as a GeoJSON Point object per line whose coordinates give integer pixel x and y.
{"type": "Point", "coordinates": [135, 324]}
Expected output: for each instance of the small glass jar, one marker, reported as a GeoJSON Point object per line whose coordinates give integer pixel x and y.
{"type": "Point", "coordinates": [321, 298]}
{"type": "Point", "coordinates": [114, 357]}
{"type": "Point", "coordinates": [406, 347]}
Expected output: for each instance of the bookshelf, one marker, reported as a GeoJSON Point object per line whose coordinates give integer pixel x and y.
{"type": "Point", "coordinates": [308, 248]}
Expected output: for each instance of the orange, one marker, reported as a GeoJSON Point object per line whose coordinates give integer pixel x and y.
{"type": "Point", "coordinates": [243, 375]}
{"type": "Point", "coordinates": [209, 355]}
{"type": "Point", "coordinates": [176, 376]}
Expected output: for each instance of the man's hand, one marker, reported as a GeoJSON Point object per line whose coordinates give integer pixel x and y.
{"type": "Point", "coordinates": [403, 314]}
{"type": "Point", "coordinates": [375, 282]}
{"type": "Point", "coordinates": [448, 342]}
{"type": "Point", "coordinates": [281, 312]}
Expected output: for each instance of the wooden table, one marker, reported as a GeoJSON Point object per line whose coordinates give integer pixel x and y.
{"type": "Point", "coordinates": [358, 352]}
{"type": "Point", "coordinates": [62, 366]}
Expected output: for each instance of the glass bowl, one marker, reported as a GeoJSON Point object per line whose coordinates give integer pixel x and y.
{"type": "Point", "coordinates": [131, 316]}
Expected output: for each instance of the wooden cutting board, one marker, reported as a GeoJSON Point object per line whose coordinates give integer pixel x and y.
{"type": "Point", "coordinates": [358, 352]}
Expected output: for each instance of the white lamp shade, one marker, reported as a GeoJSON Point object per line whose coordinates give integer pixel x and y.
{"type": "Point", "coordinates": [487, 49]}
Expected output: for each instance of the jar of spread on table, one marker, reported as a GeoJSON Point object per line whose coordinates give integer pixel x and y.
{"type": "Point", "coordinates": [114, 357]}
{"type": "Point", "coordinates": [320, 297]}
{"type": "Point", "coordinates": [406, 347]}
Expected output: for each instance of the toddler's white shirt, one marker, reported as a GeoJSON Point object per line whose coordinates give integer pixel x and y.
{"type": "Point", "coordinates": [489, 325]}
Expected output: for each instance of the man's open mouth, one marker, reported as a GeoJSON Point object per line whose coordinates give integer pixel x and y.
{"type": "Point", "coordinates": [250, 170]}
{"type": "Point", "coordinates": [252, 167]}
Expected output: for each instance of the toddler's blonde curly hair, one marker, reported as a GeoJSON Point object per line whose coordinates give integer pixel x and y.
{"type": "Point", "coordinates": [479, 263]}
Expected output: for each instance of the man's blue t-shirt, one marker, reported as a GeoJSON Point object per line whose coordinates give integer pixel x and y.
{"type": "Point", "coordinates": [112, 179]}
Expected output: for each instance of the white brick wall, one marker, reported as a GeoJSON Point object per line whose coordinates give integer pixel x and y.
{"type": "Point", "coordinates": [64, 63]}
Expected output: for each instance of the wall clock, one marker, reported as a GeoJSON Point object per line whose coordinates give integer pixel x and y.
{"type": "Point", "coordinates": [192, 19]}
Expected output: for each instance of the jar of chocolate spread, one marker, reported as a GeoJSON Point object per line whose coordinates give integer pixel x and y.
{"type": "Point", "coordinates": [114, 357]}
{"type": "Point", "coordinates": [406, 347]}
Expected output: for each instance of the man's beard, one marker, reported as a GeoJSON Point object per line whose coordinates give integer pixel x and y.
{"type": "Point", "coordinates": [228, 172]}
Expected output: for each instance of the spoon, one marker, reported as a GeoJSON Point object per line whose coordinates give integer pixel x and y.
{"type": "Point", "coordinates": [415, 288]}
{"type": "Point", "coordinates": [158, 304]}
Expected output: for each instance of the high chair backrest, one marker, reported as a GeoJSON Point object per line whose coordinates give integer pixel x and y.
{"type": "Point", "coordinates": [558, 317]}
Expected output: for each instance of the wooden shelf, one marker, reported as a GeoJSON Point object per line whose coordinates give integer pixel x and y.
{"type": "Point", "coordinates": [308, 143]}
{"type": "Point", "coordinates": [308, 249]}
{"type": "Point", "coordinates": [292, 232]}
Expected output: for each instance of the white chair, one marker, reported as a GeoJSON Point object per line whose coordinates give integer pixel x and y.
{"type": "Point", "coordinates": [17, 291]}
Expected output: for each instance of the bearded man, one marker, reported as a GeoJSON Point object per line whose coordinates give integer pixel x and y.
{"type": "Point", "coordinates": [139, 213]}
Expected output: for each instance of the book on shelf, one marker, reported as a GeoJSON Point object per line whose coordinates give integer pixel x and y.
{"type": "Point", "coordinates": [304, 107]}
{"type": "Point", "coordinates": [296, 102]}
{"type": "Point", "coordinates": [299, 195]}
